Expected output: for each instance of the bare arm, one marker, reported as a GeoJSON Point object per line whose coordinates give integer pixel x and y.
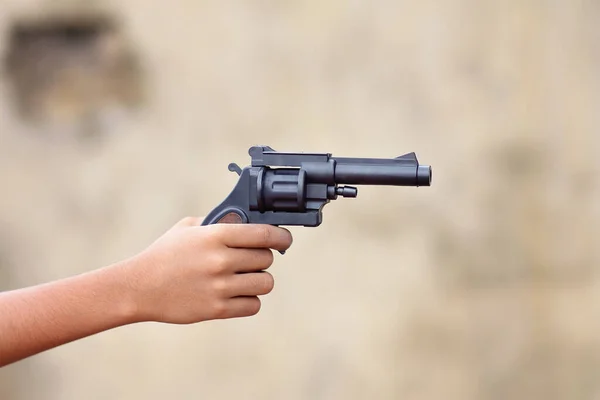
{"type": "Point", "coordinates": [42, 317]}
{"type": "Point", "coordinates": [191, 274]}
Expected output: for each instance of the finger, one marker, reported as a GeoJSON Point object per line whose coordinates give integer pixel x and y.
{"type": "Point", "coordinates": [250, 284]}
{"type": "Point", "coordinates": [242, 307]}
{"type": "Point", "coordinates": [249, 260]}
{"type": "Point", "coordinates": [189, 221]}
{"type": "Point", "coordinates": [255, 236]}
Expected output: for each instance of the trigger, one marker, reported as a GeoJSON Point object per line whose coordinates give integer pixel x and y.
{"type": "Point", "coordinates": [233, 167]}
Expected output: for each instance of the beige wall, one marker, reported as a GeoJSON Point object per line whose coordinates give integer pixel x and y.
{"type": "Point", "coordinates": [483, 286]}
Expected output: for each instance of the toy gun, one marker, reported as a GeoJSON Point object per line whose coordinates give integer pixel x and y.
{"type": "Point", "coordinates": [292, 188]}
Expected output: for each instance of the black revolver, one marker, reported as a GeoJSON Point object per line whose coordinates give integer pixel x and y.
{"type": "Point", "coordinates": [292, 188]}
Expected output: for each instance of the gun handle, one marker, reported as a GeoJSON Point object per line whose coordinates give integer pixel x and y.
{"type": "Point", "coordinates": [226, 215]}
{"type": "Point", "coordinates": [231, 218]}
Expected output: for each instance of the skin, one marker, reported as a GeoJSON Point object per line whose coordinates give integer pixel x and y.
{"type": "Point", "coordinates": [190, 274]}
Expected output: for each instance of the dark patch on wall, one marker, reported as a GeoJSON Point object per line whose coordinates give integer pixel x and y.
{"type": "Point", "coordinates": [72, 71]}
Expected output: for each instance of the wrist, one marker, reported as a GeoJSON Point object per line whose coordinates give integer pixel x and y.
{"type": "Point", "coordinates": [123, 295]}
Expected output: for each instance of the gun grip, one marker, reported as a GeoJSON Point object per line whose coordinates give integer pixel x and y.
{"type": "Point", "coordinates": [226, 215]}
{"type": "Point", "coordinates": [231, 218]}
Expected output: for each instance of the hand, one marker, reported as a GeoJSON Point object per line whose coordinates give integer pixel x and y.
{"type": "Point", "coordinates": [196, 273]}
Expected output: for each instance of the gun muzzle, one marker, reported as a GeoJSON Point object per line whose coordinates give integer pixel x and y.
{"type": "Point", "coordinates": [401, 171]}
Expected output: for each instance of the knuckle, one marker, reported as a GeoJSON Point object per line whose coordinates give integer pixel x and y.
{"type": "Point", "coordinates": [263, 282]}
{"type": "Point", "coordinates": [188, 220]}
{"type": "Point", "coordinates": [218, 264]}
{"type": "Point", "coordinates": [264, 231]}
{"type": "Point", "coordinates": [212, 232]}
{"type": "Point", "coordinates": [262, 258]}
{"type": "Point", "coordinates": [219, 309]}
{"type": "Point", "coordinates": [220, 287]}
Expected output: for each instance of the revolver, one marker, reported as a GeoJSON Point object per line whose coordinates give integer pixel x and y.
{"type": "Point", "coordinates": [292, 188]}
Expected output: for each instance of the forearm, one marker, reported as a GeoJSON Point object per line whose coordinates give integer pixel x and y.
{"type": "Point", "coordinates": [42, 317]}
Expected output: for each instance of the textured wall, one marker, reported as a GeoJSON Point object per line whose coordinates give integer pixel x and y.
{"type": "Point", "coordinates": [483, 286]}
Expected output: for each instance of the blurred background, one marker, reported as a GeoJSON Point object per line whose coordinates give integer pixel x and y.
{"type": "Point", "coordinates": [118, 118]}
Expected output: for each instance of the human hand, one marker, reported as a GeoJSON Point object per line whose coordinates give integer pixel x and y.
{"type": "Point", "coordinates": [196, 273]}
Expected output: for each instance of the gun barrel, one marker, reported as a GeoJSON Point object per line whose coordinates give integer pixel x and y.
{"type": "Point", "coordinates": [391, 172]}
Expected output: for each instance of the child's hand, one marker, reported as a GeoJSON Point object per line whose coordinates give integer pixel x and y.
{"type": "Point", "coordinates": [196, 273]}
